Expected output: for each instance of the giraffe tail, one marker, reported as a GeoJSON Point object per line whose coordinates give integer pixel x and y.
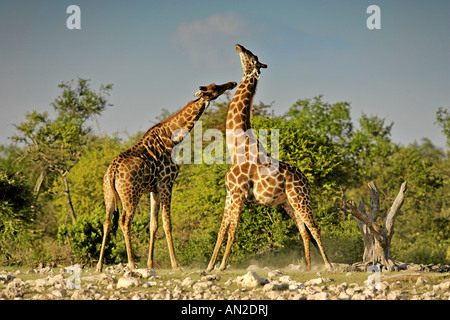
{"type": "Point", "coordinates": [115, 214]}
{"type": "Point", "coordinates": [115, 221]}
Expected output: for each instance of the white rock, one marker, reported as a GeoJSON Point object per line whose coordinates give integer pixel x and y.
{"type": "Point", "coordinates": [274, 273]}
{"type": "Point", "coordinates": [294, 267]}
{"type": "Point", "coordinates": [111, 286]}
{"type": "Point", "coordinates": [275, 286]}
{"type": "Point", "coordinates": [81, 294]}
{"type": "Point", "coordinates": [128, 282]}
{"type": "Point", "coordinates": [211, 277]}
{"type": "Point", "coordinates": [273, 295]}
{"type": "Point", "coordinates": [420, 281]}
{"type": "Point", "coordinates": [296, 286]}
{"type": "Point", "coordinates": [145, 272]}
{"type": "Point", "coordinates": [187, 282]}
{"type": "Point", "coordinates": [150, 284]}
{"type": "Point", "coordinates": [59, 293]}
{"type": "Point", "coordinates": [359, 296]}
{"type": "Point", "coordinates": [445, 286]}
{"type": "Point", "coordinates": [319, 296]}
{"type": "Point", "coordinates": [344, 296]}
{"type": "Point", "coordinates": [6, 278]}
{"type": "Point", "coordinates": [286, 279]}
{"type": "Point", "coordinates": [252, 267]}
{"type": "Point", "coordinates": [314, 281]}
{"type": "Point", "coordinates": [15, 289]}
{"type": "Point", "coordinates": [251, 279]}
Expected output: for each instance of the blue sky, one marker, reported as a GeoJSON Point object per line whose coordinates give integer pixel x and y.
{"type": "Point", "coordinates": [157, 54]}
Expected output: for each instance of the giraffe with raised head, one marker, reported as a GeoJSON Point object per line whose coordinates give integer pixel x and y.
{"type": "Point", "coordinates": [255, 177]}
{"type": "Point", "coordinates": [147, 167]}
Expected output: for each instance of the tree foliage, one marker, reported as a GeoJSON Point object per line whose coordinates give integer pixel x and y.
{"type": "Point", "coordinates": [443, 121]}
{"type": "Point", "coordinates": [56, 145]}
{"type": "Point", "coordinates": [15, 212]}
{"type": "Point", "coordinates": [339, 155]}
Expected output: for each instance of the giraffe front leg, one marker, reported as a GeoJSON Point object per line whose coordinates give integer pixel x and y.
{"type": "Point", "coordinates": [235, 213]}
{"type": "Point", "coordinates": [154, 209]}
{"type": "Point", "coordinates": [165, 208]}
{"type": "Point", "coordinates": [220, 236]}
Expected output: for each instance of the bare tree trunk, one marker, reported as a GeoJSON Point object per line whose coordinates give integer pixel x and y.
{"type": "Point", "coordinates": [377, 241]}
{"type": "Point", "coordinates": [37, 187]}
{"type": "Point", "coordinates": [67, 192]}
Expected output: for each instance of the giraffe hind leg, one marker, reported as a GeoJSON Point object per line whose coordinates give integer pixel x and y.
{"type": "Point", "coordinates": [221, 235]}
{"type": "Point", "coordinates": [111, 212]}
{"type": "Point", "coordinates": [303, 212]}
{"type": "Point", "coordinates": [304, 232]}
{"type": "Point", "coordinates": [125, 225]}
{"type": "Point", "coordinates": [315, 233]}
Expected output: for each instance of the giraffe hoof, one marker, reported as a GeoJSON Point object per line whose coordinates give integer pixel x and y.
{"type": "Point", "coordinates": [131, 267]}
{"type": "Point", "coordinates": [99, 267]}
{"type": "Point", "coordinates": [178, 268]}
{"type": "Point", "coordinates": [328, 267]}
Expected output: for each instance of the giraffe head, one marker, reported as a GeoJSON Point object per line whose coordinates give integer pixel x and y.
{"type": "Point", "coordinates": [213, 91]}
{"type": "Point", "coordinates": [250, 63]}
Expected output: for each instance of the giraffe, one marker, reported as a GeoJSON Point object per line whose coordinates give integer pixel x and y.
{"type": "Point", "coordinates": [147, 167]}
{"type": "Point", "coordinates": [258, 178]}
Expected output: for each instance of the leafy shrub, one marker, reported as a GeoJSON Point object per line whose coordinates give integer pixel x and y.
{"type": "Point", "coordinates": [85, 239]}
{"type": "Point", "coordinates": [15, 215]}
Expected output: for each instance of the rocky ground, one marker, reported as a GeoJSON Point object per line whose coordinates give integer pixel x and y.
{"type": "Point", "coordinates": [254, 283]}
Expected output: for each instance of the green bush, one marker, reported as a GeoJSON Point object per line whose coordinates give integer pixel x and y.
{"type": "Point", "coordinates": [85, 239]}
{"type": "Point", "coordinates": [16, 198]}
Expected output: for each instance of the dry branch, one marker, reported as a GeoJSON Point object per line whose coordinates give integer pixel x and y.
{"type": "Point", "coordinates": [377, 241]}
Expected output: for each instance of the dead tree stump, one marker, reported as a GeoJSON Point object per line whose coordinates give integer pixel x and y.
{"type": "Point", "coordinates": [377, 241]}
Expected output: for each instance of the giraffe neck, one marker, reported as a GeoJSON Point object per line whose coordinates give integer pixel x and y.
{"type": "Point", "coordinates": [162, 137]}
{"type": "Point", "coordinates": [184, 120]}
{"type": "Point", "coordinates": [241, 142]}
{"type": "Point", "coordinates": [240, 109]}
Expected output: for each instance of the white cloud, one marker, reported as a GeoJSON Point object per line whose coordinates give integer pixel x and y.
{"type": "Point", "coordinates": [204, 41]}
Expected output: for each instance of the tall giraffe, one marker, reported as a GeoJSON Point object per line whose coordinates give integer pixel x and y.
{"type": "Point", "coordinates": [147, 167]}
{"type": "Point", "coordinates": [256, 177]}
